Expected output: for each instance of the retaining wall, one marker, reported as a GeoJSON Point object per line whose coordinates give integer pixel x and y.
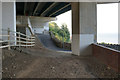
{"type": "Point", "coordinates": [109, 56]}
{"type": "Point", "coordinates": [113, 46]}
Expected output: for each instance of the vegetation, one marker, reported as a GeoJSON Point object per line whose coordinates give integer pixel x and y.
{"type": "Point", "coordinates": [61, 33]}
{"type": "Point", "coordinates": [105, 43]}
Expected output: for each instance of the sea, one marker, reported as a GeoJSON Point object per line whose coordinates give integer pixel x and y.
{"type": "Point", "coordinates": [111, 38]}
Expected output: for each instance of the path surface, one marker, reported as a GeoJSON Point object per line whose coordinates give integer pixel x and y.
{"type": "Point", "coordinates": [40, 62]}
{"type": "Point", "coordinates": [48, 43]}
{"type": "Point", "coordinates": [21, 65]}
{"type": "Point", "coordinates": [28, 66]}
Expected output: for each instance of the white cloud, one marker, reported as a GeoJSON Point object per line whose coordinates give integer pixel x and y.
{"type": "Point", "coordinates": [107, 18]}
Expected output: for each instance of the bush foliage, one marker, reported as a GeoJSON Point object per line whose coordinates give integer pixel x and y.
{"type": "Point", "coordinates": [61, 33]}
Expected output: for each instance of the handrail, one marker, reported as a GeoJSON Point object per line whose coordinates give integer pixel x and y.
{"type": "Point", "coordinates": [22, 40]}
{"type": "Point", "coordinates": [24, 45]}
{"type": "Point", "coordinates": [4, 35]}
{"type": "Point", "coordinates": [4, 46]}
{"type": "Point", "coordinates": [30, 26]}
{"type": "Point", "coordinates": [7, 41]}
{"type": "Point", "coordinates": [17, 33]}
{"type": "Point", "coordinates": [26, 39]}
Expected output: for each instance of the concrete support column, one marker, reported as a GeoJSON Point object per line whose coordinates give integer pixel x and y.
{"type": "Point", "coordinates": [75, 28]}
{"type": "Point", "coordinates": [84, 27]}
{"type": "Point", "coordinates": [9, 17]}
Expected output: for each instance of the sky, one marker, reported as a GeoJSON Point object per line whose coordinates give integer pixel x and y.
{"type": "Point", "coordinates": [65, 18]}
{"type": "Point", "coordinates": [107, 22]}
{"type": "Point", "coordinates": [107, 18]}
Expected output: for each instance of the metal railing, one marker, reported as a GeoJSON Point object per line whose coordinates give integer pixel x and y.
{"type": "Point", "coordinates": [16, 39]}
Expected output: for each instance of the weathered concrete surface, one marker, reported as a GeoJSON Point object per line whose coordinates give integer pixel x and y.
{"type": "Point", "coordinates": [9, 17]}
{"type": "Point", "coordinates": [85, 44]}
{"type": "Point", "coordinates": [38, 24]}
{"type": "Point", "coordinates": [108, 56]}
{"type": "Point", "coordinates": [88, 18]}
{"type": "Point", "coordinates": [75, 29]}
{"type": "Point", "coordinates": [84, 22]}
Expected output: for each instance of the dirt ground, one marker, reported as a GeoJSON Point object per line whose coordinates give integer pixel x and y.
{"type": "Point", "coordinates": [22, 65]}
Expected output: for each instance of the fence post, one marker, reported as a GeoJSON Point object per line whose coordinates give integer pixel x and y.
{"type": "Point", "coordinates": [31, 41]}
{"type": "Point", "coordinates": [19, 39]}
{"type": "Point", "coordinates": [26, 41]}
{"type": "Point", "coordinates": [9, 38]}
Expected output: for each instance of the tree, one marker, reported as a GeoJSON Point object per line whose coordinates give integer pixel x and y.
{"type": "Point", "coordinates": [60, 33]}
{"type": "Point", "coordinates": [66, 33]}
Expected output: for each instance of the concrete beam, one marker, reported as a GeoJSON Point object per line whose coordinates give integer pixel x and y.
{"type": "Point", "coordinates": [58, 10]}
{"type": "Point", "coordinates": [39, 24]}
{"type": "Point", "coordinates": [25, 6]}
{"type": "Point", "coordinates": [48, 9]}
{"type": "Point", "coordinates": [36, 8]}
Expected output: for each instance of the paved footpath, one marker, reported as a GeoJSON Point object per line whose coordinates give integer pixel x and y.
{"type": "Point", "coordinates": [48, 43]}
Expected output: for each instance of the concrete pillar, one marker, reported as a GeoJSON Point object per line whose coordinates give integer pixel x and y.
{"type": "Point", "coordinates": [84, 27]}
{"type": "Point", "coordinates": [88, 18]}
{"type": "Point", "coordinates": [9, 17]}
{"type": "Point", "coordinates": [75, 29]}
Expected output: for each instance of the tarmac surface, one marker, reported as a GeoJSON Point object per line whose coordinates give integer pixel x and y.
{"type": "Point", "coordinates": [48, 43]}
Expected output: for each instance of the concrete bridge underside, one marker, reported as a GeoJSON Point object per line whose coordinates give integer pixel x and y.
{"type": "Point", "coordinates": [84, 33]}
{"type": "Point", "coordinates": [84, 20]}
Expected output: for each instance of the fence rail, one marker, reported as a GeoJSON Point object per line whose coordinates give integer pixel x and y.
{"type": "Point", "coordinates": [20, 40]}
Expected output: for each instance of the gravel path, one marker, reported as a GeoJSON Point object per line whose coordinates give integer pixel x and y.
{"type": "Point", "coordinates": [21, 65]}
